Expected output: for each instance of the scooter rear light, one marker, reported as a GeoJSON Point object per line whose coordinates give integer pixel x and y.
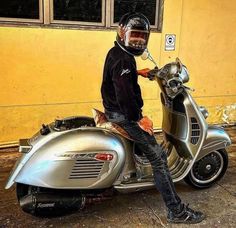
{"type": "Point", "coordinates": [103, 157]}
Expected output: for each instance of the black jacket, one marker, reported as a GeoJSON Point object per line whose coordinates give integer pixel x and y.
{"type": "Point", "coordinates": [120, 90]}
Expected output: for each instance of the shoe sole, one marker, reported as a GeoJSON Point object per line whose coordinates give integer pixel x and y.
{"type": "Point", "coordinates": [187, 222]}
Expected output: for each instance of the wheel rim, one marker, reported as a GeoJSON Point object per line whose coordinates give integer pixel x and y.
{"type": "Point", "coordinates": [208, 168]}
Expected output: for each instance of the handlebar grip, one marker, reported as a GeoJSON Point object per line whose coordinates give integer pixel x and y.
{"type": "Point", "coordinates": [152, 73]}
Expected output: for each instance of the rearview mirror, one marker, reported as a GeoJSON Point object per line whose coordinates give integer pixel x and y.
{"type": "Point", "coordinates": [146, 55]}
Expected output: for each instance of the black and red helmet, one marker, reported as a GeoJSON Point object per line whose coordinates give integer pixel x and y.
{"type": "Point", "coordinates": [133, 33]}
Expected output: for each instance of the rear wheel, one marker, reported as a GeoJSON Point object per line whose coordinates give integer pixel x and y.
{"type": "Point", "coordinates": [208, 170]}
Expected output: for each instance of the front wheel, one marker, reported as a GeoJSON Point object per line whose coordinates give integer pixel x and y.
{"type": "Point", "coordinates": [208, 170]}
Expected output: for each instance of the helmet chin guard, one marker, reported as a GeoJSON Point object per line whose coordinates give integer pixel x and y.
{"type": "Point", "coordinates": [133, 33]}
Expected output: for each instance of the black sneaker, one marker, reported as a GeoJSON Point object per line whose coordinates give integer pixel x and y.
{"type": "Point", "coordinates": [187, 215]}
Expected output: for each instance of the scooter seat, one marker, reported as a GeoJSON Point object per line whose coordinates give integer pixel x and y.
{"type": "Point", "coordinates": [101, 121]}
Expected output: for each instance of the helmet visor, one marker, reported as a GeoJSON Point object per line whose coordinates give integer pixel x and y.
{"type": "Point", "coordinates": [136, 39]}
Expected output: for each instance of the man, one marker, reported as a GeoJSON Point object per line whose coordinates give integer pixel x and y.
{"type": "Point", "coordinates": [123, 105]}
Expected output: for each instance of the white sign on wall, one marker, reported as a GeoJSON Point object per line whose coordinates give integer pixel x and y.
{"type": "Point", "coordinates": [170, 42]}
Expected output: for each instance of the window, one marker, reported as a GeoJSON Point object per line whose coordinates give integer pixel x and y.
{"type": "Point", "coordinates": [21, 10]}
{"type": "Point", "coordinates": [147, 7]}
{"type": "Point", "coordinates": [92, 13]}
{"type": "Point", "coordinates": [78, 11]}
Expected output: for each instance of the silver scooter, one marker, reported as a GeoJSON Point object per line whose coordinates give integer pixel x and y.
{"type": "Point", "coordinates": [77, 160]}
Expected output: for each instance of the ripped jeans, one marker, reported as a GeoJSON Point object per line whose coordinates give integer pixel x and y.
{"type": "Point", "coordinates": [156, 156]}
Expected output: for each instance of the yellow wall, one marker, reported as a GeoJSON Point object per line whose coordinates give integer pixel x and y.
{"type": "Point", "coordinates": [48, 73]}
{"type": "Point", "coordinates": [208, 47]}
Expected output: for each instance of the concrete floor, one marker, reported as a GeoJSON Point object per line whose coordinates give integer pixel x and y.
{"type": "Point", "coordinates": [144, 209]}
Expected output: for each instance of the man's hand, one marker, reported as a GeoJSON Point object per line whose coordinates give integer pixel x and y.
{"type": "Point", "coordinates": [146, 124]}
{"type": "Point", "coordinates": [143, 72]}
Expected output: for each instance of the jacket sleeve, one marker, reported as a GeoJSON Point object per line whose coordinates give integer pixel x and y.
{"type": "Point", "coordinates": [123, 76]}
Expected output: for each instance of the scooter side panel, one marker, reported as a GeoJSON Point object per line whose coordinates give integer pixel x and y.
{"type": "Point", "coordinates": [67, 161]}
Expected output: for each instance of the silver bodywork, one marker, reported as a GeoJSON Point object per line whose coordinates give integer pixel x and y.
{"type": "Point", "coordinates": [191, 136]}
{"type": "Point", "coordinates": [66, 159]}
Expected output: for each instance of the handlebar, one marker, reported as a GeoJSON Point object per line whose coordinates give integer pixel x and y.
{"type": "Point", "coordinates": [188, 88]}
{"type": "Point", "coordinates": [172, 77]}
{"type": "Point", "coordinates": [152, 74]}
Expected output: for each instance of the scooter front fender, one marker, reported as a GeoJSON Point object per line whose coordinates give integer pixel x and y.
{"type": "Point", "coordinates": [216, 139]}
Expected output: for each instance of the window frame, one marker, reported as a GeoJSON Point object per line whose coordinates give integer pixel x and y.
{"type": "Point", "coordinates": [27, 20]}
{"type": "Point", "coordinates": [46, 18]}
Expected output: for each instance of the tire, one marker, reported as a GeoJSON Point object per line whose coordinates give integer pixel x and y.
{"type": "Point", "coordinates": [208, 170]}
